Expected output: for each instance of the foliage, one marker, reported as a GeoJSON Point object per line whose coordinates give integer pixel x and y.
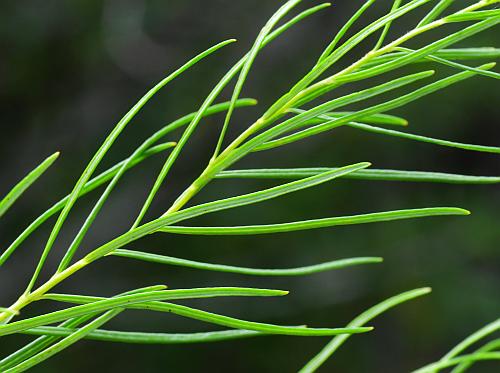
{"type": "Point", "coordinates": [302, 112]}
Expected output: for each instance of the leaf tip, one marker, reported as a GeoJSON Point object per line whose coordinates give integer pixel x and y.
{"type": "Point", "coordinates": [463, 212]}
{"type": "Point", "coordinates": [488, 66]}
{"type": "Point", "coordinates": [426, 290]}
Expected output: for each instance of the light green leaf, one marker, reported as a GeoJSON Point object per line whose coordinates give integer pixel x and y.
{"type": "Point", "coordinates": [101, 152]}
{"type": "Point", "coordinates": [472, 358]}
{"type": "Point", "coordinates": [361, 320]}
{"type": "Point", "coordinates": [64, 343]}
{"type": "Point", "coordinates": [220, 205]}
{"type": "Point", "coordinates": [317, 223]}
{"type": "Point", "coordinates": [369, 174]}
{"type": "Point", "coordinates": [123, 301]}
{"type": "Point", "coordinates": [300, 271]}
{"type": "Point", "coordinates": [147, 338]}
{"type": "Point", "coordinates": [25, 183]}
{"type": "Point", "coordinates": [490, 346]}
{"type": "Point", "coordinates": [379, 108]}
{"type": "Point", "coordinates": [232, 322]}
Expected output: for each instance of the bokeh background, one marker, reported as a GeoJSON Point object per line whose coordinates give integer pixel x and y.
{"type": "Point", "coordinates": [69, 70]}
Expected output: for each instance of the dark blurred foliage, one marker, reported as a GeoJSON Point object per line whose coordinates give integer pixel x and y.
{"type": "Point", "coordinates": [69, 70]}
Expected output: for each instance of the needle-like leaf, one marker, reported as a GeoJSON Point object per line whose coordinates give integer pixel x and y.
{"type": "Point", "coordinates": [64, 343]}
{"type": "Point", "coordinates": [123, 301]}
{"type": "Point", "coordinates": [46, 340]}
{"type": "Point", "coordinates": [231, 322]}
{"type": "Point", "coordinates": [223, 204]}
{"type": "Point", "coordinates": [383, 107]}
{"type": "Point", "coordinates": [361, 320]}
{"type": "Point", "coordinates": [317, 223]}
{"type": "Point", "coordinates": [369, 174]}
{"type": "Point", "coordinates": [470, 340]}
{"type": "Point", "coordinates": [25, 183]}
{"type": "Point", "coordinates": [147, 338]}
{"type": "Point", "coordinates": [464, 359]}
{"type": "Point", "coordinates": [99, 155]}
{"type": "Point", "coordinates": [300, 271]}
{"type": "Point", "coordinates": [490, 346]}
{"type": "Point", "coordinates": [111, 172]}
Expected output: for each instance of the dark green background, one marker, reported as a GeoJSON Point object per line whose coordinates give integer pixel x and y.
{"type": "Point", "coordinates": [69, 70]}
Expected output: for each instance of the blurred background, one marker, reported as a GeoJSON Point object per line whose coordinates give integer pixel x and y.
{"type": "Point", "coordinates": [69, 70]}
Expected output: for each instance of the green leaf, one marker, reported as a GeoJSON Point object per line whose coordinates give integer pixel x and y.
{"type": "Point", "coordinates": [490, 346]}
{"type": "Point", "coordinates": [258, 142]}
{"type": "Point", "coordinates": [468, 53]}
{"type": "Point", "coordinates": [235, 323]}
{"type": "Point", "coordinates": [373, 119]}
{"type": "Point", "coordinates": [147, 338]}
{"type": "Point", "coordinates": [470, 340]}
{"type": "Point", "coordinates": [473, 16]}
{"type": "Point", "coordinates": [435, 12]}
{"type": "Point", "coordinates": [111, 172]}
{"type": "Point", "coordinates": [64, 343]}
{"type": "Point", "coordinates": [99, 155]}
{"type": "Point", "coordinates": [123, 301]}
{"type": "Point", "coordinates": [385, 30]}
{"type": "Point", "coordinates": [460, 66]}
{"type": "Point", "coordinates": [300, 271]}
{"type": "Point", "coordinates": [339, 53]}
{"type": "Point", "coordinates": [430, 140]}
{"type": "Point", "coordinates": [420, 53]}
{"type": "Point", "coordinates": [43, 342]}
{"type": "Point", "coordinates": [383, 107]}
{"type": "Point", "coordinates": [25, 183]}
{"type": "Point", "coordinates": [249, 60]}
{"type": "Point", "coordinates": [472, 358]}
{"type": "Point", "coordinates": [361, 320]}
{"type": "Point", "coordinates": [219, 205]}
{"type": "Point", "coordinates": [317, 223]}
{"type": "Point", "coordinates": [409, 136]}
{"type": "Point", "coordinates": [329, 49]}
{"type": "Point", "coordinates": [205, 105]}
{"type": "Point", "coordinates": [369, 174]}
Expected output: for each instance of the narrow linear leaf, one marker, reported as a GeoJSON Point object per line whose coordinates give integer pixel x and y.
{"type": "Point", "coordinates": [317, 223]}
{"type": "Point", "coordinates": [473, 338]}
{"type": "Point", "coordinates": [249, 60]}
{"type": "Point", "coordinates": [490, 346]}
{"type": "Point", "coordinates": [339, 52]}
{"type": "Point", "coordinates": [259, 142]}
{"type": "Point", "coordinates": [490, 74]}
{"type": "Point", "coordinates": [436, 367]}
{"type": "Point", "coordinates": [419, 53]}
{"type": "Point", "coordinates": [383, 107]}
{"type": "Point", "coordinates": [306, 270]}
{"type": "Point", "coordinates": [206, 104]}
{"type": "Point", "coordinates": [101, 152]}
{"type": "Point", "coordinates": [438, 9]}
{"type": "Point", "coordinates": [220, 205]}
{"type": "Point", "coordinates": [148, 338]}
{"type": "Point", "coordinates": [361, 320]}
{"type": "Point", "coordinates": [64, 343]}
{"type": "Point", "coordinates": [123, 301]}
{"type": "Point", "coordinates": [473, 16]}
{"type": "Point", "coordinates": [231, 322]}
{"type": "Point", "coordinates": [372, 119]}
{"type": "Point", "coordinates": [25, 183]}
{"type": "Point", "coordinates": [329, 49]}
{"type": "Point", "coordinates": [111, 172]}
{"type": "Point", "coordinates": [451, 54]}
{"type": "Point", "coordinates": [385, 30]}
{"type": "Point", "coordinates": [410, 136]}
{"type": "Point", "coordinates": [369, 174]}
{"type": "Point", "coordinates": [43, 342]}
